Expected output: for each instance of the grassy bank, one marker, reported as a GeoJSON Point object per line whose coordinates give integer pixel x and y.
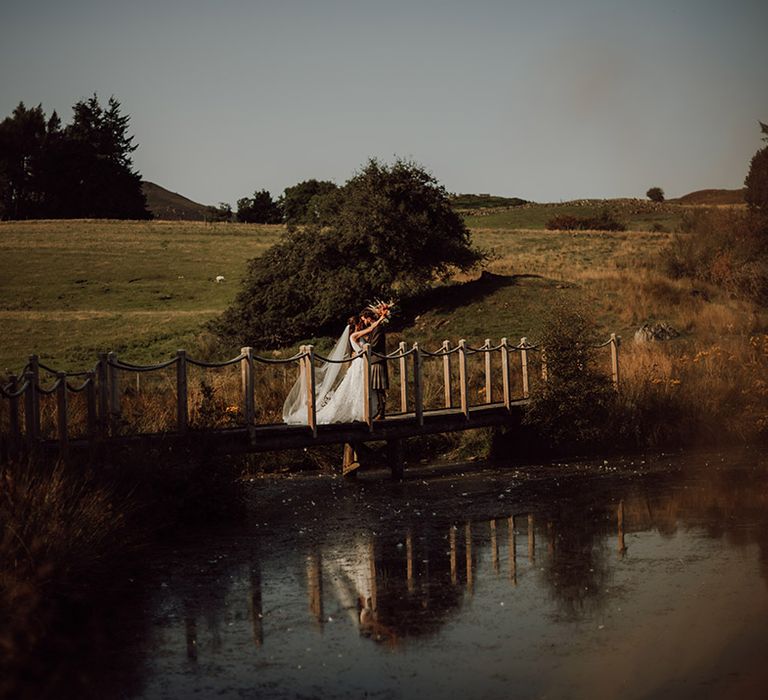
{"type": "Point", "coordinates": [144, 289]}
{"type": "Point", "coordinates": [71, 289]}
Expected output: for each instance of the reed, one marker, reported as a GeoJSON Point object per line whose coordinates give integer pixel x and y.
{"type": "Point", "coordinates": [59, 531]}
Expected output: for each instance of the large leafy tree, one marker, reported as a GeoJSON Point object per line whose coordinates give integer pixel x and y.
{"type": "Point", "coordinates": [297, 201]}
{"type": "Point", "coordinates": [82, 170]}
{"type": "Point", "coordinates": [389, 230]}
{"type": "Point", "coordinates": [259, 209]}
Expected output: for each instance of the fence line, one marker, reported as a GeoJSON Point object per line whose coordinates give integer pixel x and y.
{"type": "Point", "coordinates": [103, 397]}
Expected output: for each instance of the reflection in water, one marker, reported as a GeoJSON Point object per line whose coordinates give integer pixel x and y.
{"type": "Point", "coordinates": [606, 585]}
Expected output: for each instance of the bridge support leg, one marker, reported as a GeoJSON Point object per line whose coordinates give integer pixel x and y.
{"type": "Point", "coordinates": [395, 458]}
{"type": "Point", "coordinates": [351, 461]}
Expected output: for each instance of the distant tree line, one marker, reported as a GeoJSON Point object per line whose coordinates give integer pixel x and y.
{"type": "Point", "coordinates": [81, 170]}
{"type": "Point", "coordinates": [298, 205]}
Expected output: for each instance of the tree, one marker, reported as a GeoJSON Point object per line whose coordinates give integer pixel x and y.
{"type": "Point", "coordinates": [223, 212]}
{"type": "Point", "coordinates": [756, 182]}
{"type": "Point", "coordinates": [391, 230]}
{"type": "Point", "coordinates": [99, 153]}
{"type": "Point", "coordinates": [574, 406]}
{"type": "Point", "coordinates": [655, 194]}
{"type": "Point", "coordinates": [84, 170]}
{"type": "Point", "coordinates": [296, 200]}
{"type": "Point", "coordinates": [260, 209]}
{"type": "Point", "coordinates": [22, 138]}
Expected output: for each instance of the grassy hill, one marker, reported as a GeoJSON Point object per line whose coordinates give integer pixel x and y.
{"type": "Point", "coordinates": [484, 201]}
{"type": "Point", "coordinates": [712, 197]}
{"type": "Point", "coordinates": [72, 288]}
{"type": "Point", "coordinates": [637, 214]}
{"type": "Point", "coordinates": [170, 206]}
{"type": "Point", "coordinates": [145, 289]}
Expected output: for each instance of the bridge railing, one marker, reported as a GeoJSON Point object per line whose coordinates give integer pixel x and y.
{"type": "Point", "coordinates": [89, 405]}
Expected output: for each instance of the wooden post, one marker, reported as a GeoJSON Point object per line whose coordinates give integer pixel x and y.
{"type": "Point", "coordinates": [14, 427]}
{"type": "Point", "coordinates": [505, 373]}
{"type": "Point", "coordinates": [409, 561]}
{"type": "Point", "coordinates": [494, 548]}
{"type": "Point", "coordinates": [418, 389]}
{"type": "Point", "coordinates": [182, 408]}
{"type": "Point", "coordinates": [403, 379]}
{"type": "Point", "coordinates": [512, 550]}
{"type": "Point", "coordinates": [447, 374]}
{"type": "Point", "coordinates": [90, 401]}
{"type": "Point", "coordinates": [463, 379]}
{"type": "Point", "coordinates": [488, 380]}
{"type": "Point", "coordinates": [34, 367]}
{"type": "Point", "coordinates": [350, 462]}
{"type": "Point", "coordinates": [114, 394]}
{"type": "Point", "coordinates": [309, 374]}
{"type": "Point", "coordinates": [246, 381]}
{"type": "Point", "coordinates": [468, 557]}
{"type": "Point", "coordinates": [61, 413]}
{"type": "Point", "coordinates": [524, 365]}
{"type": "Point", "coordinates": [30, 424]}
{"type": "Point", "coordinates": [621, 547]}
{"type": "Point", "coordinates": [615, 360]}
{"type": "Point", "coordinates": [103, 373]}
{"type": "Point", "coordinates": [367, 413]}
{"type": "Point", "coordinates": [138, 383]}
{"type": "Point", "coordinates": [531, 540]}
{"type": "Point", "coordinates": [395, 458]}
{"type": "Point", "coordinates": [452, 543]}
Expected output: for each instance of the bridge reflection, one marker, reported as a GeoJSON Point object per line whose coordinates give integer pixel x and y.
{"type": "Point", "coordinates": [391, 587]}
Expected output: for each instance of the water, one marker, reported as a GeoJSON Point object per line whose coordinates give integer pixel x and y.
{"type": "Point", "coordinates": [629, 580]}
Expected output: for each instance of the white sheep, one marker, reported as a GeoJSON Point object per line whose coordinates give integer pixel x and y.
{"type": "Point", "coordinates": [219, 278]}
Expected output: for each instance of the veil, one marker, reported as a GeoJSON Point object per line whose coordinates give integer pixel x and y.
{"type": "Point", "coordinates": [326, 376]}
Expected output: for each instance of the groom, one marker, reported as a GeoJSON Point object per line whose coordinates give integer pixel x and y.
{"type": "Point", "coordinates": [379, 375]}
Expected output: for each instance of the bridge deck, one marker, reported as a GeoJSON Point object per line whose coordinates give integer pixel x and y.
{"type": "Point", "coordinates": [276, 437]}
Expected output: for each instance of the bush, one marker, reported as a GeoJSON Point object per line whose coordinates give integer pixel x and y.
{"type": "Point", "coordinates": [725, 247]}
{"type": "Point", "coordinates": [390, 230]}
{"type": "Point", "coordinates": [655, 194]}
{"type": "Point", "coordinates": [605, 220]}
{"type": "Point", "coordinates": [574, 407]}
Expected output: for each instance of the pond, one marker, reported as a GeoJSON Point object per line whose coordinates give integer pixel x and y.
{"type": "Point", "coordinates": [629, 579]}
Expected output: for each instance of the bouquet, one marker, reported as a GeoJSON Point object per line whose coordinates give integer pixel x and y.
{"type": "Point", "coordinates": [383, 309]}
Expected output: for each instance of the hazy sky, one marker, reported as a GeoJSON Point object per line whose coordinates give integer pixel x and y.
{"type": "Point", "coordinates": [543, 100]}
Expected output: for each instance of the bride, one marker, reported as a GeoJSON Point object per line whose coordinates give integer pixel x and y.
{"type": "Point", "coordinates": [337, 401]}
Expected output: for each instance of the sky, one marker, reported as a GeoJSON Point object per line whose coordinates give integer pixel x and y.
{"type": "Point", "coordinates": [545, 100]}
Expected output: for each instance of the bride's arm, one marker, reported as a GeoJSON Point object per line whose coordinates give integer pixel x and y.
{"type": "Point", "coordinates": [361, 334]}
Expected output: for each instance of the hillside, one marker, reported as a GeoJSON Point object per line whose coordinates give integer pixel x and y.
{"type": "Point", "coordinates": [712, 197]}
{"type": "Point", "coordinates": [170, 206]}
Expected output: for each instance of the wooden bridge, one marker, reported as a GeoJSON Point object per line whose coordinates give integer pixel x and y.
{"type": "Point", "coordinates": [102, 429]}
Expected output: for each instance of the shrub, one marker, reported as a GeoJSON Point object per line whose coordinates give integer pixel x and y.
{"type": "Point", "coordinates": [725, 247]}
{"type": "Point", "coordinates": [574, 407]}
{"type": "Point", "coordinates": [655, 194]}
{"type": "Point", "coordinates": [604, 220]}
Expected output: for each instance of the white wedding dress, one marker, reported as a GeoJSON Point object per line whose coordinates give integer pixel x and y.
{"type": "Point", "coordinates": [339, 395]}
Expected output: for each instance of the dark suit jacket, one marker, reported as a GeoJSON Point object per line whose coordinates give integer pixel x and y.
{"type": "Point", "coordinates": [378, 343]}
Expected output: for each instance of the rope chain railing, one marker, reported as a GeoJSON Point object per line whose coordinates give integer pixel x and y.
{"type": "Point", "coordinates": [101, 385]}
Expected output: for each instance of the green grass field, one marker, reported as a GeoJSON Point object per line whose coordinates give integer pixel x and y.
{"type": "Point", "coordinates": [70, 289]}
{"type": "Point", "coordinates": [638, 215]}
